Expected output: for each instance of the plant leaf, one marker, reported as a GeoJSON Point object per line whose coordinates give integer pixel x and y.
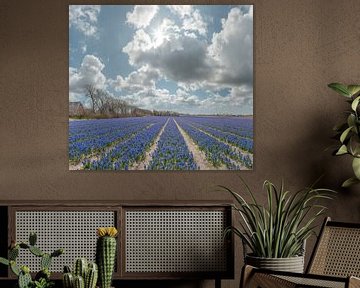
{"type": "Point", "coordinates": [340, 88]}
{"type": "Point", "coordinates": [351, 119]}
{"type": "Point", "coordinates": [345, 134]}
{"type": "Point", "coordinates": [355, 103]}
{"type": "Point", "coordinates": [353, 89]}
{"type": "Point", "coordinates": [342, 150]}
{"type": "Point", "coordinates": [4, 261]}
{"type": "Point", "coordinates": [356, 167]}
{"type": "Point", "coordinates": [349, 182]}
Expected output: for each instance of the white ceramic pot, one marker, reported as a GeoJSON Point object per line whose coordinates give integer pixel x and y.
{"type": "Point", "coordinates": [291, 264]}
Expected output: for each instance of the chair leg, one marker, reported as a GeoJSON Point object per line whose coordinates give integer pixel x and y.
{"type": "Point", "coordinates": [246, 274]}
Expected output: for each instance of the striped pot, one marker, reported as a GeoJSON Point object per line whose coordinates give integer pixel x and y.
{"type": "Point", "coordinates": [291, 264]}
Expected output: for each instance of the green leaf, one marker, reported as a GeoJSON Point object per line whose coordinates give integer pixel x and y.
{"type": "Point", "coordinates": [349, 182]}
{"type": "Point", "coordinates": [14, 268]}
{"type": "Point", "coordinates": [351, 120]}
{"type": "Point", "coordinates": [356, 167]}
{"type": "Point", "coordinates": [342, 150]}
{"type": "Point", "coordinates": [345, 134]}
{"type": "Point", "coordinates": [355, 103]}
{"type": "Point", "coordinates": [354, 145]}
{"type": "Point", "coordinates": [340, 88]}
{"type": "Point", "coordinates": [353, 89]}
{"type": "Point", "coordinates": [4, 261]}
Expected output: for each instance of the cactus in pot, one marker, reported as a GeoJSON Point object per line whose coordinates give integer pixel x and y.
{"type": "Point", "coordinates": [106, 254]}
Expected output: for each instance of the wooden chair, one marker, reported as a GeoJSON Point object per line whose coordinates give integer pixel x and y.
{"type": "Point", "coordinates": [334, 263]}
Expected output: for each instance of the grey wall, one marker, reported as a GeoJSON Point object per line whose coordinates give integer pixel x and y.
{"type": "Point", "coordinates": [299, 47]}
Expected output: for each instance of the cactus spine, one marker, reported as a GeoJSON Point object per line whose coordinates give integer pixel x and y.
{"type": "Point", "coordinates": [106, 254]}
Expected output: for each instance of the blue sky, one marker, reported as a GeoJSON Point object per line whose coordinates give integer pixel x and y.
{"type": "Point", "coordinates": [183, 58]}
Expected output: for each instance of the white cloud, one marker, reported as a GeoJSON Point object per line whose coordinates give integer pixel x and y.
{"type": "Point", "coordinates": [141, 42]}
{"type": "Point", "coordinates": [142, 15]}
{"type": "Point", "coordinates": [180, 53]}
{"type": "Point", "coordinates": [192, 21]}
{"type": "Point", "coordinates": [195, 23]}
{"type": "Point", "coordinates": [232, 49]}
{"type": "Point", "coordinates": [84, 18]}
{"type": "Point", "coordinates": [177, 56]}
{"type": "Point", "coordinates": [143, 78]}
{"type": "Point", "coordinates": [89, 73]}
{"type": "Point", "coordinates": [181, 10]}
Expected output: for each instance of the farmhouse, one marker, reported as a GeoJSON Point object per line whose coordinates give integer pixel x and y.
{"type": "Point", "coordinates": [76, 109]}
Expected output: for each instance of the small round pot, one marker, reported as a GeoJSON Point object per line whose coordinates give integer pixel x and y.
{"type": "Point", "coordinates": [291, 264]}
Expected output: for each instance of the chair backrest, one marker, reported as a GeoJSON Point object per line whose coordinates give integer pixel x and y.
{"type": "Point", "coordinates": [337, 251]}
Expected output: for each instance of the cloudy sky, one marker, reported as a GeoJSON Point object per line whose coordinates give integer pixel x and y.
{"type": "Point", "coordinates": [189, 59]}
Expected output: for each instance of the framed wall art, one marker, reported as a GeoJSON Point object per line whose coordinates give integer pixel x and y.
{"type": "Point", "coordinates": [161, 87]}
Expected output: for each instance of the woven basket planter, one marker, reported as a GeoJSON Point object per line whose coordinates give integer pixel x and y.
{"type": "Point", "coordinates": [291, 264]}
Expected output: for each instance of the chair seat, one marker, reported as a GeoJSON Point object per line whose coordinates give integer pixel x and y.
{"type": "Point", "coordinates": [314, 282]}
{"type": "Point", "coordinates": [267, 279]}
{"type": "Point", "coordinates": [335, 262]}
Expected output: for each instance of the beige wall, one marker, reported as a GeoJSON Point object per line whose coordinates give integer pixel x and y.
{"type": "Point", "coordinates": [299, 47]}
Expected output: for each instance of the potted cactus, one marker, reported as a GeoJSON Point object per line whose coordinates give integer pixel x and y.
{"type": "Point", "coordinates": [106, 254]}
{"type": "Point", "coordinates": [84, 275]}
{"type": "Point", "coordinates": [42, 278]}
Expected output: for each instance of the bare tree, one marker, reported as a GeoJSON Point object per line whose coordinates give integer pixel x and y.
{"type": "Point", "coordinates": [91, 92]}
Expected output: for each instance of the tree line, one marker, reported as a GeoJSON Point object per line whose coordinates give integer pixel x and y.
{"type": "Point", "coordinates": [104, 105]}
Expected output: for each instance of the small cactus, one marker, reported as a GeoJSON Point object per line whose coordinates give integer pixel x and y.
{"type": "Point", "coordinates": [91, 276]}
{"type": "Point", "coordinates": [68, 280]}
{"type": "Point", "coordinates": [106, 254]}
{"type": "Point", "coordinates": [88, 273]}
{"type": "Point", "coordinates": [32, 238]}
{"type": "Point", "coordinates": [24, 278]}
{"type": "Point", "coordinates": [80, 268]}
{"type": "Point", "coordinates": [45, 261]}
{"type": "Point", "coordinates": [13, 253]}
{"type": "Point", "coordinates": [36, 251]}
{"type": "Point", "coordinates": [79, 282]}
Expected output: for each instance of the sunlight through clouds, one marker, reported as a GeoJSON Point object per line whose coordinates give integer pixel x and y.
{"type": "Point", "coordinates": [183, 58]}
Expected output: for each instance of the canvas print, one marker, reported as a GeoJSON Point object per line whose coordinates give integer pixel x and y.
{"type": "Point", "coordinates": [161, 87]}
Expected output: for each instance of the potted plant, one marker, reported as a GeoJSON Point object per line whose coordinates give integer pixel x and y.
{"type": "Point", "coordinates": [276, 233]}
{"type": "Point", "coordinates": [349, 132]}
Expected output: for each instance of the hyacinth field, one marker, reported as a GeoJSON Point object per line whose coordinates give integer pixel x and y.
{"type": "Point", "coordinates": [162, 143]}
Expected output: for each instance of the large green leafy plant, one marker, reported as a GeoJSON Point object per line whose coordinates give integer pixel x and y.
{"type": "Point", "coordinates": [279, 229]}
{"type": "Point", "coordinates": [348, 132]}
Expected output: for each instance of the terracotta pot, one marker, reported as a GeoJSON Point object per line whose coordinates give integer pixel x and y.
{"type": "Point", "coordinates": [291, 264]}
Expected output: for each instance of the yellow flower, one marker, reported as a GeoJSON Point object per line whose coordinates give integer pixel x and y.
{"type": "Point", "coordinates": [106, 231]}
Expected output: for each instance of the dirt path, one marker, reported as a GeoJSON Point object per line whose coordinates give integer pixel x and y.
{"type": "Point", "coordinates": [141, 165]}
{"type": "Point", "coordinates": [199, 156]}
